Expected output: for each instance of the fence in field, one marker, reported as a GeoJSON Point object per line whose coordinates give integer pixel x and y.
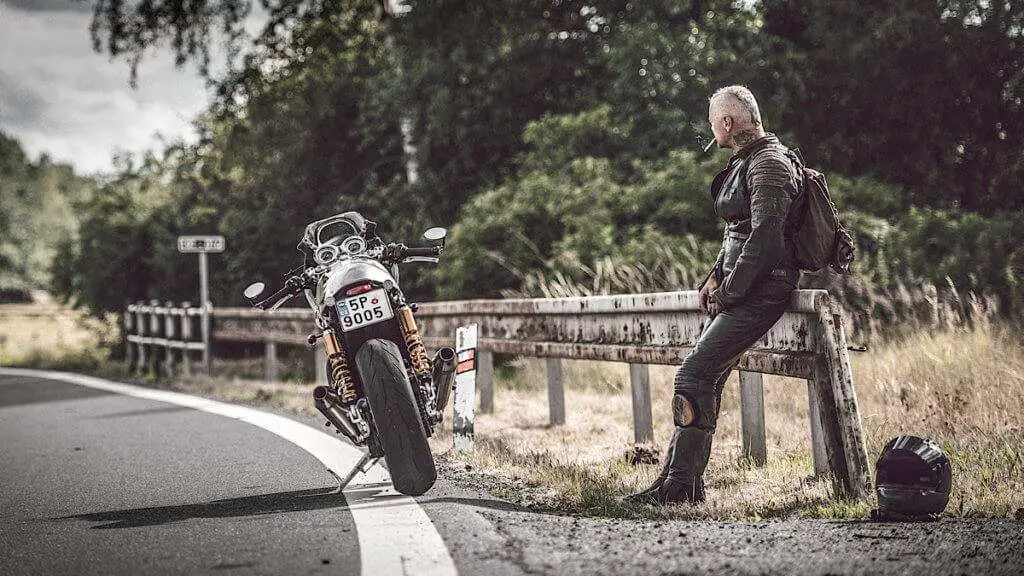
{"type": "Point", "coordinates": [808, 342]}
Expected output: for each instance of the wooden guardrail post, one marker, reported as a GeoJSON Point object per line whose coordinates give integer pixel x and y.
{"type": "Point", "coordinates": [155, 331]}
{"type": "Point", "coordinates": [129, 331]}
{"type": "Point", "coordinates": [204, 328]}
{"type": "Point", "coordinates": [640, 387]}
{"type": "Point", "coordinates": [169, 334]}
{"type": "Point", "coordinates": [485, 379]}
{"type": "Point", "coordinates": [752, 417]}
{"type": "Point", "coordinates": [270, 361]}
{"type": "Point", "coordinates": [186, 337]}
{"type": "Point", "coordinates": [556, 391]}
{"type": "Point", "coordinates": [140, 329]}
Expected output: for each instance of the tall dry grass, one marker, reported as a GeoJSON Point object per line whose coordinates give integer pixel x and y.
{"type": "Point", "coordinates": [874, 311]}
{"type": "Point", "coordinates": [964, 389]}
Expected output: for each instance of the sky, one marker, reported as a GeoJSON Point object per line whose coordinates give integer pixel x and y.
{"type": "Point", "coordinates": [59, 97]}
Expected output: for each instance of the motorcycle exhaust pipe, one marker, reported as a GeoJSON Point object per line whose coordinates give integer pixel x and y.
{"type": "Point", "coordinates": [327, 402]}
{"type": "Point", "coordinates": [443, 375]}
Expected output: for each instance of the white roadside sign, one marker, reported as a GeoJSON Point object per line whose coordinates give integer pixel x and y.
{"type": "Point", "coordinates": [203, 245]}
{"type": "Point", "coordinates": [197, 244]}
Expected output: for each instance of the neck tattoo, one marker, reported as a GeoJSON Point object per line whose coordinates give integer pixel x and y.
{"type": "Point", "coordinates": [741, 139]}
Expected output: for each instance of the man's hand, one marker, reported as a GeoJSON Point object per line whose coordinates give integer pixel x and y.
{"type": "Point", "coordinates": [705, 292]}
{"type": "Point", "coordinates": [713, 307]}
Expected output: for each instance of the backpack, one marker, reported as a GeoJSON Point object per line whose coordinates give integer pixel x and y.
{"type": "Point", "coordinates": [819, 238]}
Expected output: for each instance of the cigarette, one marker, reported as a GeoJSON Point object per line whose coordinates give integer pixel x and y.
{"type": "Point", "coordinates": [709, 145]}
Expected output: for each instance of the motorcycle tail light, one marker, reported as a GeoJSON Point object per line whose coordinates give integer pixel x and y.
{"type": "Point", "coordinates": [358, 289]}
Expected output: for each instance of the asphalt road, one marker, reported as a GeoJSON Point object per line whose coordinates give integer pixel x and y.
{"type": "Point", "coordinates": [95, 482]}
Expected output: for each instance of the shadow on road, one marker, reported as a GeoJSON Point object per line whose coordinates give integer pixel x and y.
{"type": "Point", "coordinates": [21, 391]}
{"type": "Point", "coordinates": [500, 505]}
{"type": "Point", "coordinates": [262, 504]}
{"type": "Point", "coordinates": [144, 412]}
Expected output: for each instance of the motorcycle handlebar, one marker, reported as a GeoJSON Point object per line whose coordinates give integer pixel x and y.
{"type": "Point", "coordinates": [292, 287]}
{"type": "Point", "coordinates": [428, 251]}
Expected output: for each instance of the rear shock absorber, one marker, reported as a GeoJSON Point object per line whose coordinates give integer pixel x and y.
{"type": "Point", "coordinates": [417, 353]}
{"type": "Point", "coordinates": [340, 373]}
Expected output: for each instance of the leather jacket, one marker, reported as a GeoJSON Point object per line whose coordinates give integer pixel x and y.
{"type": "Point", "coordinates": [753, 194]}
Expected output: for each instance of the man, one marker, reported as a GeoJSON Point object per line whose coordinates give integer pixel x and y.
{"type": "Point", "coordinates": [745, 294]}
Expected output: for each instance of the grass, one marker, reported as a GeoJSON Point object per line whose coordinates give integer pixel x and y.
{"type": "Point", "coordinates": [964, 389]}
{"type": "Point", "coordinates": [49, 336]}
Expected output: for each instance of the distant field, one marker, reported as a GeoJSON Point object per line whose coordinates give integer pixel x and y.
{"type": "Point", "coordinates": [46, 333]}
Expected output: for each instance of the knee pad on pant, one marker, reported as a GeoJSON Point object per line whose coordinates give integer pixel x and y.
{"type": "Point", "coordinates": [684, 411]}
{"type": "Point", "coordinates": [700, 390]}
{"type": "Point", "coordinates": [702, 400]}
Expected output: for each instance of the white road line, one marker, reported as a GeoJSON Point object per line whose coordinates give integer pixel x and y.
{"type": "Point", "coordinates": [395, 535]}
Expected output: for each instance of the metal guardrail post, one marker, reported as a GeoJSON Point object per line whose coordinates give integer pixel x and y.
{"type": "Point", "coordinates": [752, 417]}
{"type": "Point", "coordinates": [819, 454]}
{"type": "Point", "coordinates": [840, 414]}
{"type": "Point", "coordinates": [640, 387]}
{"type": "Point", "coordinates": [320, 364]}
{"type": "Point", "coordinates": [556, 391]}
{"type": "Point", "coordinates": [485, 379]}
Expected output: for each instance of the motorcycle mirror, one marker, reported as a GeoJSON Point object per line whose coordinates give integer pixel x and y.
{"type": "Point", "coordinates": [254, 290]}
{"type": "Point", "coordinates": [435, 234]}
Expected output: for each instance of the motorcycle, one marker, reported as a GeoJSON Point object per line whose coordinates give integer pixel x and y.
{"type": "Point", "coordinates": [383, 391]}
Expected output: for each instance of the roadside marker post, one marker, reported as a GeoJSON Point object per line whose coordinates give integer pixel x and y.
{"type": "Point", "coordinates": [203, 245]}
{"type": "Point", "coordinates": [464, 406]}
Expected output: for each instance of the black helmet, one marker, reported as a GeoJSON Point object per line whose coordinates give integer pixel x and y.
{"type": "Point", "coordinates": [912, 478]}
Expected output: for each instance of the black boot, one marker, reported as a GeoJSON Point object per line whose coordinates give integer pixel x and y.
{"type": "Point", "coordinates": [679, 490]}
{"type": "Point", "coordinates": [650, 494]}
{"type": "Point", "coordinates": [689, 458]}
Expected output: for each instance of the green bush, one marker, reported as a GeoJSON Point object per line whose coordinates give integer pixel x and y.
{"type": "Point", "coordinates": [572, 215]}
{"type": "Point", "coordinates": [979, 255]}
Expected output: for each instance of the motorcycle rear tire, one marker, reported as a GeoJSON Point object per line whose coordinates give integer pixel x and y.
{"type": "Point", "coordinates": [396, 416]}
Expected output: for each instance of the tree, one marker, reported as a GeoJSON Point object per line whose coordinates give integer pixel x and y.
{"type": "Point", "coordinates": [922, 93]}
{"type": "Point", "coordinates": [36, 212]}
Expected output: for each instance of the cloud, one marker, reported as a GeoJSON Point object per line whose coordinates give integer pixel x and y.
{"type": "Point", "coordinates": [18, 104]}
{"type": "Point", "coordinates": [50, 5]}
{"type": "Point", "coordinates": [58, 96]}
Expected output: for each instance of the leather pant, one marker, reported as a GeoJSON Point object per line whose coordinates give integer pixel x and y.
{"type": "Point", "coordinates": [702, 375]}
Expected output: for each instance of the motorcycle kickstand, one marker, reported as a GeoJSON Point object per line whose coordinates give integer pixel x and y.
{"type": "Point", "coordinates": [364, 464]}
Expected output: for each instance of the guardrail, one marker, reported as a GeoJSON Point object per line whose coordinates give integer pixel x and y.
{"type": "Point", "coordinates": [177, 330]}
{"type": "Point", "coordinates": [808, 342]}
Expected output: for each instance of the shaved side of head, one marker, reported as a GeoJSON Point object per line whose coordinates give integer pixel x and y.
{"type": "Point", "coordinates": [739, 103]}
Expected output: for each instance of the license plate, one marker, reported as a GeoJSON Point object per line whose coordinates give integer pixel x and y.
{"type": "Point", "coordinates": [363, 310]}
